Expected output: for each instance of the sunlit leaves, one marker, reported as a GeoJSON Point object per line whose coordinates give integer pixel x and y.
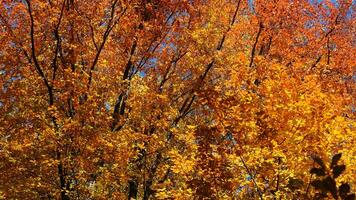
{"type": "Point", "coordinates": [175, 99]}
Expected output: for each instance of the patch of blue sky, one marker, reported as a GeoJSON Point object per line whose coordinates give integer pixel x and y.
{"type": "Point", "coordinates": [107, 106]}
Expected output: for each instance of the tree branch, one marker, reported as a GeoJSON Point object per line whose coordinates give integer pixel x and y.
{"type": "Point", "coordinates": [255, 44]}
{"type": "Point", "coordinates": [109, 28]}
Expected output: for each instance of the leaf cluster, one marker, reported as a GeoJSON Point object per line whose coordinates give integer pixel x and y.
{"type": "Point", "coordinates": [326, 182]}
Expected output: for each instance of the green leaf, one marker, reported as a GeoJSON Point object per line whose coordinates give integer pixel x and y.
{"type": "Point", "coordinates": [317, 171]}
{"type": "Point", "coordinates": [295, 183]}
{"type": "Point", "coordinates": [320, 162]}
{"type": "Point", "coordinates": [344, 189]}
{"type": "Point", "coordinates": [318, 184]}
{"type": "Point", "coordinates": [337, 170]}
{"type": "Point", "coordinates": [335, 159]}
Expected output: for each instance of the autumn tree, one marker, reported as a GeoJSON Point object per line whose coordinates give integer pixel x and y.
{"type": "Point", "coordinates": [175, 99]}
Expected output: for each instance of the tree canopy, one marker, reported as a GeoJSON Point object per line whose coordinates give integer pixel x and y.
{"type": "Point", "coordinates": [177, 99]}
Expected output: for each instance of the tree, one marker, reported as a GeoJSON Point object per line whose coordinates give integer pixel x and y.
{"type": "Point", "coordinates": [118, 99]}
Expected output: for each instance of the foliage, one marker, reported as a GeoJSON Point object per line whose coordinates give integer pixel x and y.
{"type": "Point", "coordinates": [176, 99]}
{"type": "Point", "coordinates": [327, 181]}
